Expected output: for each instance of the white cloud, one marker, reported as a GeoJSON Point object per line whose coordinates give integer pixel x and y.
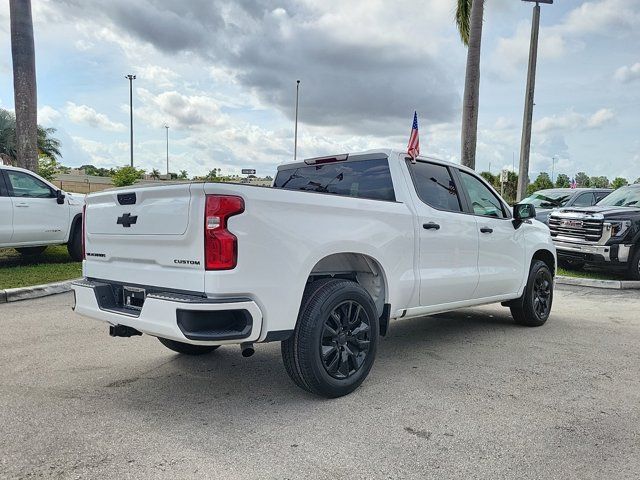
{"type": "Point", "coordinates": [83, 114]}
{"type": "Point", "coordinates": [629, 73]}
{"type": "Point", "coordinates": [573, 121]}
{"type": "Point", "coordinates": [48, 115]}
{"type": "Point", "coordinates": [162, 77]}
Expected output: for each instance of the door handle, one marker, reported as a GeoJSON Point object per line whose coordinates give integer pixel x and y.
{"type": "Point", "coordinates": [486, 230]}
{"type": "Point", "coordinates": [22, 205]}
{"type": "Point", "coordinates": [431, 226]}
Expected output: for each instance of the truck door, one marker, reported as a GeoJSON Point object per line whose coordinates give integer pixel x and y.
{"type": "Point", "coordinates": [37, 216]}
{"type": "Point", "coordinates": [6, 213]}
{"type": "Point", "coordinates": [501, 259]}
{"type": "Point", "coordinates": [448, 237]}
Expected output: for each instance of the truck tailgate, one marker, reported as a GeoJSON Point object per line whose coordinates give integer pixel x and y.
{"type": "Point", "coordinates": [147, 236]}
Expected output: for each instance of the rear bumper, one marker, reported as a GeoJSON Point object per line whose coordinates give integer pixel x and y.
{"type": "Point", "coordinates": [597, 254]}
{"type": "Point", "coordinates": [176, 316]}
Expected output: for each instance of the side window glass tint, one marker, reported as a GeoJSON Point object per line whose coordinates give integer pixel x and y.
{"type": "Point", "coordinates": [24, 185]}
{"type": "Point", "coordinates": [483, 201]}
{"type": "Point", "coordinates": [584, 200]}
{"type": "Point", "coordinates": [434, 186]}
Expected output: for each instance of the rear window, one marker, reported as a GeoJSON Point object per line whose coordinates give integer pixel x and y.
{"type": "Point", "coordinates": [361, 179]}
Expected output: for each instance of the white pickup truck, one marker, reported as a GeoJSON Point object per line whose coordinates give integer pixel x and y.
{"type": "Point", "coordinates": [321, 262]}
{"type": "Point", "coordinates": [35, 214]}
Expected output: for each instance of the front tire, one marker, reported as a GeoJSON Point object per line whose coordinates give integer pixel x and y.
{"type": "Point", "coordinates": [534, 307]}
{"type": "Point", "coordinates": [74, 247]}
{"type": "Point", "coordinates": [30, 251]}
{"type": "Point", "coordinates": [634, 266]}
{"type": "Point", "coordinates": [187, 348]}
{"type": "Point", "coordinates": [334, 344]}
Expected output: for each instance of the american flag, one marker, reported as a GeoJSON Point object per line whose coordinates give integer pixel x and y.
{"type": "Point", "coordinates": [414, 140]}
{"type": "Point", "coordinates": [574, 184]}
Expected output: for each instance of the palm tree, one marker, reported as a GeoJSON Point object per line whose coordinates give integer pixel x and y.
{"type": "Point", "coordinates": [155, 174]}
{"type": "Point", "coordinates": [24, 84]}
{"type": "Point", "coordinates": [469, 14]}
{"type": "Point", "coordinates": [183, 175]}
{"type": "Point", "coordinates": [47, 144]}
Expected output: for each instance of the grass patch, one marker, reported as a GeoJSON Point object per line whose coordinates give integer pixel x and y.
{"type": "Point", "coordinates": [593, 274]}
{"type": "Point", "coordinates": [54, 265]}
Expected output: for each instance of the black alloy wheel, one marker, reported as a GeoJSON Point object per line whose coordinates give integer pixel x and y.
{"type": "Point", "coordinates": [345, 339]}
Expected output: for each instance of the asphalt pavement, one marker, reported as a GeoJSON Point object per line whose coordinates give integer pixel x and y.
{"type": "Point", "coordinates": [466, 394]}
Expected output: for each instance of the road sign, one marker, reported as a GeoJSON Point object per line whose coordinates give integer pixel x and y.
{"type": "Point", "coordinates": [504, 176]}
{"type": "Point", "coordinates": [248, 171]}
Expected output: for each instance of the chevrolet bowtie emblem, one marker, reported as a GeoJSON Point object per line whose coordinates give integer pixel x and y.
{"type": "Point", "coordinates": [127, 220]}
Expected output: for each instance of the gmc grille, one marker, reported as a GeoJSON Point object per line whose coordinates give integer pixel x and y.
{"type": "Point", "coordinates": [588, 230]}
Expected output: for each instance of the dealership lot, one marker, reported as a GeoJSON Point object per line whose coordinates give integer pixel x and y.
{"type": "Point", "coordinates": [464, 394]}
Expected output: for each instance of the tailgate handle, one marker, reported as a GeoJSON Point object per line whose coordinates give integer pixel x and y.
{"type": "Point", "coordinates": [127, 198]}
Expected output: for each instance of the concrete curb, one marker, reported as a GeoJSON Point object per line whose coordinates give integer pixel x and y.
{"type": "Point", "coordinates": [36, 291]}
{"type": "Point", "coordinates": [593, 283]}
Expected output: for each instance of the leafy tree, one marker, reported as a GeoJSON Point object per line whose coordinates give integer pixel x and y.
{"type": "Point", "coordinates": [155, 174]}
{"type": "Point", "coordinates": [543, 182]}
{"type": "Point", "coordinates": [47, 144]}
{"type": "Point", "coordinates": [619, 182]}
{"type": "Point", "coordinates": [490, 177]}
{"type": "Point", "coordinates": [582, 180]}
{"type": "Point", "coordinates": [469, 16]}
{"type": "Point", "coordinates": [637, 180]}
{"type": "Point", "coordinates": [563, 181]}
{"type": "Point", "coordinates": [48, 167]}
{"type": "Point", "coordinates": [183, 175]}
{"type": "Point", "coordinates": [26, 132]}
{"type": "Point", "coordinates": [599, 182]}
{"type": "Point", "coordinates": [213, 174]}
{"type": "Point", "coordinates": [125, 176]}
{"type": "Point", "coordinates": [99, 172]}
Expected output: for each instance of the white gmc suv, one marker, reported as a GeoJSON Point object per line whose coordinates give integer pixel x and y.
{"type": "Point", "coordinates": [321, 262]}
{"type": "Point", "coordinates": [35, 214]}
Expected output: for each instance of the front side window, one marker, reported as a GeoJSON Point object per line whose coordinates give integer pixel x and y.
{"type": "Point", "coordinates": [24, 185]}
{"type": "Point", "coordinates": [623, 197]}
{"type": "Point", "coordinates": [584, 200]}
{"type": "Point", "coordinates": [3, 190]}
{"type": "Point", "coordinates": [483, 201]}
{"type": "Point", "coordinates": [359, 178]}
{"type": "Point", "coordinates": [435, 186]}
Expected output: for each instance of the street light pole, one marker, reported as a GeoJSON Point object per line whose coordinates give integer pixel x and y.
{"type": "Point", "coordinates": [167, 128]}
{"type": "Point", "coordinates": [295, 135]}
{"type": "Point", "coordinates": [131, 79]}
{"type": "Point", "coordinates": [525, 145]}
{"type": "Point", "coordinates": [553, 168]}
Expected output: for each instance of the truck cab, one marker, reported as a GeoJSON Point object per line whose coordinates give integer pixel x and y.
{"type": "Point", "coordinates": [34, 214]}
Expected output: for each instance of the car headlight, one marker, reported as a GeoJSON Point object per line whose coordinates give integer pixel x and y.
{"type": "Point", "coordinates": [618, 227]}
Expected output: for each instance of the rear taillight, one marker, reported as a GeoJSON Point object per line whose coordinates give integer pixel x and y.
{"type": "Point", "coordinates": [84, 231]}
{"type": "Point", "coordinates": [220, 245]}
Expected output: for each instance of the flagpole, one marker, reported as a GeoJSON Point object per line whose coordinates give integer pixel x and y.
{"type": "Point", "coordinates": [295, 136]}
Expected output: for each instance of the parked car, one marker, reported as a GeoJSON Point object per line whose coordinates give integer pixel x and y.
{"type": "Point", "coordinates": [607, 234]}
{"type": "Point", "coordinates": [321, 262]}
{"type": "Point", "coordinates": [35, 214]}
{"type": "Point", "coordinates": [552, 199]}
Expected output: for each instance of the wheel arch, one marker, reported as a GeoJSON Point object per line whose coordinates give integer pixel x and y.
{"type": "Point", "coordinates": [362, 268]}
{"type": "Point", "coordinates": [547, 257]}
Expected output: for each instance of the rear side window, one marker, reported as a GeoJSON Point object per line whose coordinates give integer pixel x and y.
{"type": "Point", "coordinates": [434, 186]}
{"type": "Point", "coordinates": [363, 179]}
{"type": "Point", "coordinates": [584, 200]}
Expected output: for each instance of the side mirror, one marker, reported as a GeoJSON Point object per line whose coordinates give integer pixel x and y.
{"type": "Point", "coordinates": [523, 212]}
{"type": "Point", "coordinates": [60, 197]}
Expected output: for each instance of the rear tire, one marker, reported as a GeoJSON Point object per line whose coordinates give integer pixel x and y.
{"type": "Point", "coordinates": [334, 344]}
{"type": "Point", "coordinates": [187, 348]}
{"type": "Point", "coordinates": [74, 247]}
{"type": "Point", "coordinates": [30, 251]}
{"type": "Point", "coordinates": [634, 267]}
{"type": "Point", "coordinates": [534, 307]}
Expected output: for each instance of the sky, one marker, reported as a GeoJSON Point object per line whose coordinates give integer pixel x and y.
{"type": "Point", "coordinates": [222, 74]}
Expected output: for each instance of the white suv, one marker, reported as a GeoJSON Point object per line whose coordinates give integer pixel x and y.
{"type": "Point", "coordinates": [35, 214]}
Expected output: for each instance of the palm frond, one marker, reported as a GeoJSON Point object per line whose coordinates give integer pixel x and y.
{"type": "Point", "coordinates": [463, 19]}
